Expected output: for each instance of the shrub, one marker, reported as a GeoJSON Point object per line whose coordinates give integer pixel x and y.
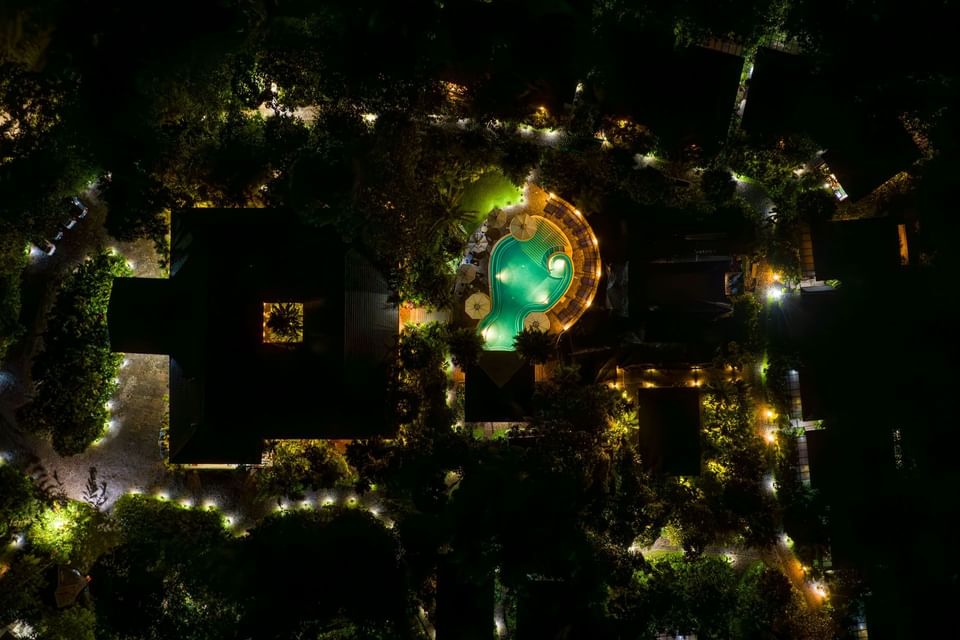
{"type": "Point", "coordinates": [12, 261]}
{"type": "Point", "coordinates": [535, 345]}
{"type": "Point", "coordinates": [464, 344]}
{"type": "Point", "coordinates": [301, 465]}
{"type": "Point", "coordinates": [18, 501]}
{"type": "Point", "coordinates": [76, 372]}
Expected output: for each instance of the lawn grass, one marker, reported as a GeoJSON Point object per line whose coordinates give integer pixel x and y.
{"type": "Point", "coordinates": [491, 190]}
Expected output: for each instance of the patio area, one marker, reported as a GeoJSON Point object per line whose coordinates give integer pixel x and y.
{"type": "Point", "coordinates": [571, 240]}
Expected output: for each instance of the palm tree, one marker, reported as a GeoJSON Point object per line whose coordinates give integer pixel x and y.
{"type": "Point", "coordinates": [286, 321]}
{"type": "Point", "coordinates": [464, 344]}
{"type": "Point", "coordinates": [535, 346]}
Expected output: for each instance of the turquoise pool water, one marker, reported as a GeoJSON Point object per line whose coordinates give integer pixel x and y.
{"type": "Point", "coordinates": [525, 276]}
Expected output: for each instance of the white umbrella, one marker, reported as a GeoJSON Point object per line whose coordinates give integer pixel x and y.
{"type": "Point", "coordinates": [523, 226]}
{"type": "Point", "coordinates": [467, 272]}
{"type": "Point", "coordinates": [477, 305]}
{"type": "Point", "coordinates": [536, 320]}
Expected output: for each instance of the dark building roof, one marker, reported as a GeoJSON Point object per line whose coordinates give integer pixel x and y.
{"type": "Point", "coordinates": [811, 394]}
{"type": "Point", "coordinates": [514, 82]}
{"type": "Point", "coordinates": [464, 605]}
{"type": "Point", "coordinates": [684, 96]}
{"type": "Point", "coordinates": [872, 149]}
{"type": "Point", "coordinates": [790, 95]}
{"type": "Point", "coordinates": [139, 315]}
{"type": "Point", "coordinates": [671, 355]}
{"type": "Point", "coordinates": [818, 457]}
{"type": "Point", "coordinates": [695, 286]}
{"type": "Point", "coordinates": [499, 388]}
{"type": "Point", "coordinates": [70, 584]}
{"type": "Point", "coordinates": [849, 248]}
{"type": "Point", "coordinates": [229, 391]}
{"type": "Point", "coordinates": [546, 610]}
{"type": "Point", "coordinates": [669, 429]}
{"type": "Point", "coordinates": [676, 280]}
{"type": "Point", "coordinates": [779, 91]}
{"type": "Point", "coordinates": [673, 326]}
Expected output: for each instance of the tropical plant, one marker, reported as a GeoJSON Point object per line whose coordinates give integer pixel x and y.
{"type": "Point", "coordinates": [718, 186]}
{"type": "Point", "coordinates": [464, 344]}
{"type": "Point", "coordinates": [18, 501]}
{"type": "Point", "coordinates": [535, 346]}
{"type": "Point", "coordinates": [285, 321]}
{"type": "Point", "coordinates": [76, 374]}
{"type": "Point", "coordinates": [301, 465]}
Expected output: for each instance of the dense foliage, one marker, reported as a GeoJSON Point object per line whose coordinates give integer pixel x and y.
{"type": "Point", "coordinates": [76, 373]}
{"type": "Point", "coordinates": [535, 345]}
{"type": "Point", "coordinates": [18, 501]}
{"type": "Point", "coordinates": [464, 344]}
{"type": "Point", "coordinates": [347, 114]}
{"type": "Point", "coordinates": [298, 466]}
{"type": "Point", "coordinates": [12, 261]}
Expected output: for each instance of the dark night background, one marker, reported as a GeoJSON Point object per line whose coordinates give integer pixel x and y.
{"type": "Point", "coordinates": [152, 101]}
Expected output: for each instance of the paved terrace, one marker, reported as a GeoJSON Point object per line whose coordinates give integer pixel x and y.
{"type": "Point", "coordinates": [585, 253]}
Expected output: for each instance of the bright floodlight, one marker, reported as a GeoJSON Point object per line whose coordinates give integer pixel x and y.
{"type": "Point", "coordinates": [774, 293]}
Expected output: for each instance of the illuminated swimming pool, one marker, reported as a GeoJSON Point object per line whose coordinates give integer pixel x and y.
{"type": "Point", "coordinates": [525, 276]}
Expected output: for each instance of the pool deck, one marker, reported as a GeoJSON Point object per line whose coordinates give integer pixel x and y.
{"type": "Point", "coordinates": [582, 249]}
{"type": "Point", "coordinates": [526, 276]}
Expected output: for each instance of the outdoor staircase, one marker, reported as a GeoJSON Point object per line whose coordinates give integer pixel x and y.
{"type": "Point", "coordinates": [545, 242]}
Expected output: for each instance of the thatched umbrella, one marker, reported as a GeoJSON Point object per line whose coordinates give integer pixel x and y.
{"type": "Point", "coordinates": [500, 220]}
{"type": "Point", "coordinates": [467, 272]}
{"type": "Point", "coordinates": [536, 320]}
{"type": "Point", "coordinates": [477, 305]}
{"type": "Point", "coordinates": [523, 226]}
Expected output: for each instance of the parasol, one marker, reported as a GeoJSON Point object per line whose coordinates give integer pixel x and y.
{"type": "Point", "coordinates": [523, 226]}
{"type": "Point", "coordinates": [477, 305]}
{"type": "Point", "coordinates": [466, 273]}
{"type": "Point", "coordinates": [536, 320]}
